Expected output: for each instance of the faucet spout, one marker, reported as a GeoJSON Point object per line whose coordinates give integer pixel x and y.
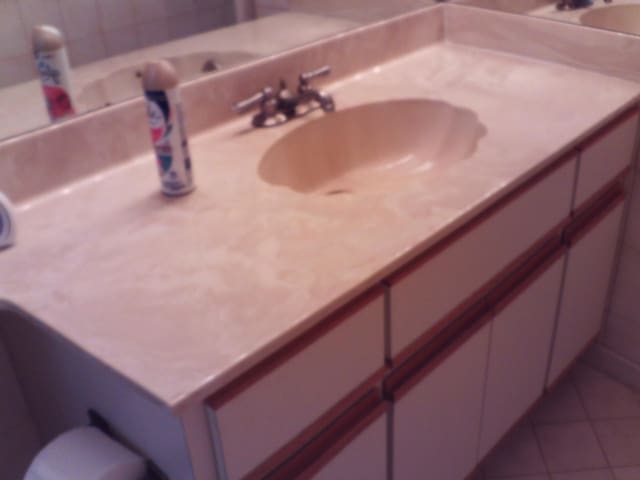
{"type": "Point", "coordinates": [281, 106]}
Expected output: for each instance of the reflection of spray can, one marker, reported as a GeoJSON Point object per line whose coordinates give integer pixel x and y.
{"type": "Point", "coordinates": [160, 83]}
{"type": "Point", "coordinates": [52, 63]}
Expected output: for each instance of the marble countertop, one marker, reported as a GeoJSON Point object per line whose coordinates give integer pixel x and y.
{"type": "Point", "coordinates": [181, 295]}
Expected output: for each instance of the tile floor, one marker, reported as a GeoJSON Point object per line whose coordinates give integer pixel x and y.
{"type": "Point", "coordinates": [588, 428]}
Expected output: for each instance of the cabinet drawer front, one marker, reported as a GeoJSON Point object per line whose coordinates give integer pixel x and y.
{"type": "Point", "coordinates": [365, 458]}
{"type": "Point", "coordinates": [604, 158]}
{"type": "Point", "coordinates": [263, 417]}
{"type": "Point", "coordinates": [586, 284]}
{"type": "Point", "coordinates": [437, 422]}
{"type": "Point", "coordinates": [423, 297]}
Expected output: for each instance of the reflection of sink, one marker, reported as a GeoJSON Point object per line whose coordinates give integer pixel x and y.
{"type": "Point", "coordinates": [125, 83]}
{"type": "Point", "coordinates": [372, 146]}
{"type": "Point", "coordinates": [622, 18]}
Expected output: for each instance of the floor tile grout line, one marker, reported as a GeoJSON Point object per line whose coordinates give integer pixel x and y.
{"type": "Point", "coordinates": [591, 426]}
{"type": "Point", "coordinates": [539, 445]}
{"type": "Point", "coordinates": [594, 419]}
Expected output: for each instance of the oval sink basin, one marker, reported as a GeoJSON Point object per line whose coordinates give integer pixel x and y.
{"type": "Point", "coordinates": [622, 18]}
{"type": "Point", "coordinates": [372, 146]}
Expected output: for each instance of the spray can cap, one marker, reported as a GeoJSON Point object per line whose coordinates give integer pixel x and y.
{"type": "Point", "coordinates": [46, 38]}
{"type": "Point", "coordinates": [159, 75]}
{"type": "Point", "coordinates": [7, 223]}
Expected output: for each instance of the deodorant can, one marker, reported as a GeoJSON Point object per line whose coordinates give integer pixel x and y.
{"type": "Point", "coordinates": [53, 66]}
{"type": "Point", "coordinates": [166, 123]}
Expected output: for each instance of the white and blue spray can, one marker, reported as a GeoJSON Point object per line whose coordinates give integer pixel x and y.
{"type": "Point", "coordinates": [166, 123]}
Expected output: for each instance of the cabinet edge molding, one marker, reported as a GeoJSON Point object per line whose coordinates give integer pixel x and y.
{"type": "Point", "coordinates": [297, 345]}
{"type": "Point", "coordinates": [333, 415]}
{"type": "Point", "coordinates": [481, 217]}
{"type": "Point", "coordinates": [609, 127]}
{"type": "Point", "coordinates": [594, 210]}
{"type": "Point", "coordinates": [332, 440]}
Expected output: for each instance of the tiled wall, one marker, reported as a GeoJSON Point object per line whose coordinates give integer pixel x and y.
{"type": "Point", "coordinates": [96, 29]}
{"type": "Point", "coordinates": [18, 439]}
{"type": "Point", "coordinates": [622, 329]}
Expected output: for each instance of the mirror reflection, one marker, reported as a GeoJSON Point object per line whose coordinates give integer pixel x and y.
{"type": "Point", "coordinates": [60, 58]}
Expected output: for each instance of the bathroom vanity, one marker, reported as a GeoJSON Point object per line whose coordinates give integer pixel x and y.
{"type": "Point", "coordinates": [390, 310]}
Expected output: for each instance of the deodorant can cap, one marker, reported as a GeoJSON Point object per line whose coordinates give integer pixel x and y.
{"type": "Point", "coordinates": [7, 222]}
{"type": "Point", "coordinates": [46, 38]}
{"type": "Point", "coordinates": [159, 75]}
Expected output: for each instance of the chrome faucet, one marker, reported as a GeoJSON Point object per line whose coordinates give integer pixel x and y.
{"type": "Point", "coordinates": [277, 107]}
{"type": "Point", "coordinates": [575, 4]}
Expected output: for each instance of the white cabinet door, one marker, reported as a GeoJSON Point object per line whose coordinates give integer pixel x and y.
{"type": "Point", "coordinates": [364, 458]}
{"type": "Point", "coordinates": [585, 289]}
{"type": "Point", "coordinates": [437, 422]}
{"type": "Point", "coordinates": [424, 294]}
{"type": "Point", "coordinates": [521, 336]}
{"type": "Point", "coordinates": [270, 411]}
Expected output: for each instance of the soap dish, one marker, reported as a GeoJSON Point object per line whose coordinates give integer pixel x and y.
{"type": "Point", "coordinates": [7, 223]}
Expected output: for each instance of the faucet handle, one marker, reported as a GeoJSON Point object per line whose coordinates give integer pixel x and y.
{"type": "Point", "coordinates": [261, 98]}
{"type": "Point", "coordinates": [305, 78]}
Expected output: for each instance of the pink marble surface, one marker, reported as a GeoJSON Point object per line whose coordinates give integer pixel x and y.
{"type": "Point", "coordinates": [182, 295]}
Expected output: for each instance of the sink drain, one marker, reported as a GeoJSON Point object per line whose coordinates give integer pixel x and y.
{"type": "Point", "coordinates": [338, 191]}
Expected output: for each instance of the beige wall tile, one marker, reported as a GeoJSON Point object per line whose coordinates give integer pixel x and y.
{"type": "Point", "coordinates": [183, 25]}
{"type": "Point", "coordinates": [16, 69]}
{"type": "Point", "coordinates": [87, 49]}
{"type": "Point", "coordinates": [570, 447]}
{"type": "Point", "coordinates": [153, 33]}
{"type": "Point", "coordinates": [620, 440]}
{"type": "Point", "coordinates": [36, 12]}
{"type": "Point", "coordinates": [628, 473]}
{"type": "Point", "coordinates": [147, 10]}
{"type": "Point", "coordinates": [80, 18]}
{"type": "Point", "coordinates": [115, 14]}
{"type": "Point", "coordinates": [121, 41]}
{"type": "Point", "coordinates": [561, 405]}
{"type": "Point", "coordinates": [584, 475]}
{"type": "Point", "coordinates": [178, 7]}
{"type": "Point", "coordinates": [518, 454]}
{"type": "Point", "coordinates": [13, 36]}
{"type": "Point", "coordinates": [603, 397]}
{"type": "Point", "coordinates": [627, 284]}
{"type": "Point", "coordinates": [622, 335]}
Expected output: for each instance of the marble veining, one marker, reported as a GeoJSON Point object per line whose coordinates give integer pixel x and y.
{"type": "Point", "coordinates": [181, 295]}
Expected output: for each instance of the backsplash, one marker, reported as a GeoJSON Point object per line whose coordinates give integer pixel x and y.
{"type": "Point", "coordinates": [96, 29]}
{"type": "Point", "coordinates": [46, 159]}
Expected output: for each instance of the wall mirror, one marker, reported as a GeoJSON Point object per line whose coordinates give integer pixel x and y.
{"type": "Point", "coordinates": [108, 42]}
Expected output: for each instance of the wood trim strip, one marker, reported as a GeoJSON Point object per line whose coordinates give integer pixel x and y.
{"type": "Point", "coordinates": [617, 181]}
{"type": "Point", "coordinates": [475, 303]}
{"type": "Point", "coordinates": [483, 216]}
{"type": "Point", "coordinates": [593, 215]}
{"type": "Point", "coordinates": [481, 295]}
{"type": "Point", "coordinates": [612, 125]}
{"type": "Point", "coordinates": [311, 431]}
{"type": "Point", "coordinates": [532, 270]}
{"type": "Point", "coordinates": [404, 377]}
{"type": "Point", "coordinates": [281, 356]}
{"type": "Point", "coordinates": [333, 440]}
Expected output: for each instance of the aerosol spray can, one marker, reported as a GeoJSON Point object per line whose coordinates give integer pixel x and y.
{"type": "Point", "coordinates": [52, 63]}
{"type": "Point", "coordinates": [160, 83]}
